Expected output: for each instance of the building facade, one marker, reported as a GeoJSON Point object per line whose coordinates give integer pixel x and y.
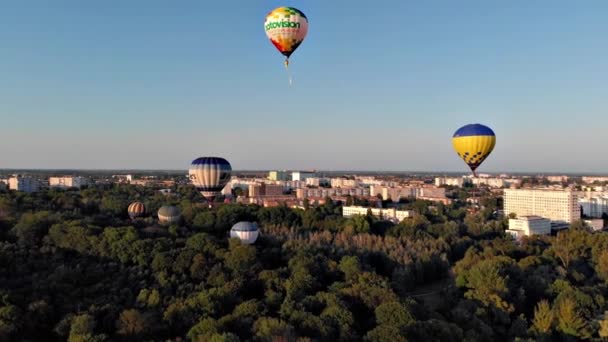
{"type": "Point", "coordinates": [25, 184]}
{"type": "Point", "coordinates": [555, 205]}
{"type": "Point", "coordinates": [67, 182]}
{"type": "Point", "coordinates": [301, 175]}
{"type": "Point", "coordinates": [390, 214]}
{"type": "Point", "coordinates": [594, 206]}
{"type": "Point", "coordinates": [278, 175]}
{"type": "Point", "coordinates": [529, 225]}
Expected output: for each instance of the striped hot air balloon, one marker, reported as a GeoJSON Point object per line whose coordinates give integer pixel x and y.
{"type": "Point", "coordinates": [474, 143]}
{"type": "Point", "coordinates": [168, 214]}
{"type": "Point", "coordinates": [247, 232]}
{"type": "Point", "coordinates": [136, 209]}
{"type": "Point", "coordinates": [210, 175]}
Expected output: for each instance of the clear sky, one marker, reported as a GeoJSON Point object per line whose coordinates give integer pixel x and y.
{"type": "Point", "coordinates": [378, 85]}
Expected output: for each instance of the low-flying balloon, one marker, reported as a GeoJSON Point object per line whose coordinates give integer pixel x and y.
{"type": "Point", "coordinates": [168, 214]}
{"type": "Point", "coordinates": [474, 143]}
{"type": "Point", "coordinates": [136, 209]}
{"type": "Point", "coordinates": [210, 175]}
{"type": "Point", "coordinates": [286, 27]}
{"type": "Point", "coordinates": [247, 232]}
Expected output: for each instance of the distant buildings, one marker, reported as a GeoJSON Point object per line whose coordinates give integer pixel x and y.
{"type": "Point", "coordinates": [423, 192]}
{"type": "Point", "coordinates": [451, 181]}
{"type": "Point", "coordinates": [344, 183]}
{"type": "Point", "coordinates": [390, 214]}
{"type": "Point", "coordinates": [67, 182]}
{"type": "Point", "coordinates": [315, 181]}
{"type": "Point", "coordinates": [263, 189]}
{"type": "Point", "coordinates": [529, 225]}
{"type": "Point", "coordinates": [331, 192]}
{"type": "Point", "coordinates": [593, 179]}
{"type": "Point", "coordinates": [558, 179]}
{"type": "Point", "coordinates": [301, 175]}
{"type": "Point", "coordinates": [278, 175]}
{"type": "Point", "coordinates": [24, 184]}
{"type": "Point", "coordinates": [559, 206]}
{"type": "Point", "coordinates": [123, 178]}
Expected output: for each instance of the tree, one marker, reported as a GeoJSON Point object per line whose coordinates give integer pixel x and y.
{"type": "Point", "coordinates": [603, 331]}
{"type": "Point", "coordinates": [601, 268]}
{"type": "Point", "coordinates": [543, 317]}
{"type": "Point", "coordinates": [349, 265]}
{"type": "Point", "coordinates": [570, 245]}
{"type": "Point", "coordinates": [131, 323]}
{"type": "Point", "coordinates": [569, 318]}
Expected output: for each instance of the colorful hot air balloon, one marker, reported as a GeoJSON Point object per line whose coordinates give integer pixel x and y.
{"type": "Point", "coordinates": [286, 27]}
{"type": "Point", "coordinates": [247, 232]}
{"type": "Point", "coordinates": [474, 143]}
{"type": "Point", "coordinates": [210, 175]}
{"type": "Point", "coordinates": [136, 209]}
{"type": "Point", "coordinates": [168, 214]}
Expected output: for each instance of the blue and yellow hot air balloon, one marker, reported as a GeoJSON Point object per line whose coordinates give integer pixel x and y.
{"type": "Point", "coordinates": [474, 143]}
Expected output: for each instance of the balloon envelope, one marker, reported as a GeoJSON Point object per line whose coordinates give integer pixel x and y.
{"type": "Point", "coordinates": [474, 143]}
{"type": "Point", "coordinates": [286, 27]}
{"type": "Point", "coordinates": [247, 232]}
{"type": "Point", "coordinates": [168, 214]}
{"type": "Point", "coordinates": [136, 209]}
{"type": "Point", "coordinates": [210, 175]}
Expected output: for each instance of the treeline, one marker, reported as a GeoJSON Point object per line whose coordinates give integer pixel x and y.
{"type": "Point", "coordinates": [74, 267]}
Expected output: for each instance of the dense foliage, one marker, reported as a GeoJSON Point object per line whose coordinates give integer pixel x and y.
{"type": "Point", "coordinates": [74, 267]}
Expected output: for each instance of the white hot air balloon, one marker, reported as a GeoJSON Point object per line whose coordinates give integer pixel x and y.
{"type": "Point", "coordinates": [247, 232]}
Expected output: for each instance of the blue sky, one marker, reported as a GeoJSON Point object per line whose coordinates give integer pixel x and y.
{"type": "Point", "coordinates": [378, 85]}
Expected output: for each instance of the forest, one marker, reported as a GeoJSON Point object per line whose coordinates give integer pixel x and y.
{"type": "Point", "coordinates": [75, 267]}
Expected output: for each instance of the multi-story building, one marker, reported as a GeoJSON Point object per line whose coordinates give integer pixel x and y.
{"type": "Point", "coordinates": [558, 179]}
{"type": "Point", "coordinates": [390, 214]}
{"type": "Point", "coordinates": [67, 182]}
{"type": "Point", "coordinates": [331, 192]}
{"type": "Point", "coordinates": [302, 175]}
{"type": "Point", "coordinates": [3, 184]}
{"type": "Point", "coordinates": [278, 175]}
{"type": "Point", "coordinates": [594, 205]}
{"type": "Point", "coordinates": [529, 225]}
{"type": "Point", "coordinates": [593, 179]}
{"type": "Point", "coordinates": [316, 181]}
{"type": "Point", "coordinates": [560, 206]}
{"type": "Point", "coordinates": [344, 183]}
{"type": "Point", "coordinates": [25, 184]}
{"type": "Point", "coordinates": [263, 189]}
{"type": "Point", "coordinates": [451, 181]}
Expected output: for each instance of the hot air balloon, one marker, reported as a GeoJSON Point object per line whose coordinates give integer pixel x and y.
{"type": "Point", "coordinates": [474, 143]}
{"type": "Point", "coordinates": [286, 27]}
{"type": "Point", "coordinates": [247, 232]}
{"type": "Point", "coordinates": [136, 209]}
{"type": "Point", "coordinates": [210, 175]}
{"type": "Point", "coordinates": [168, 214]}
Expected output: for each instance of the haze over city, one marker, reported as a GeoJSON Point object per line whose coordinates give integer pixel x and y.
{"type": "Point", "coordinates": [377, 86]}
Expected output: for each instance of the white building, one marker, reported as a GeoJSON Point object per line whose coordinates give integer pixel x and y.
{"type": "Point", "coordinates": [556, 205]}
{"type": "Point", "coordinates": [529, 225]}
{"type": "Point", "coordinates": [301, 175]}
{"type": "Point", "coordinates": [390, 214]}
{"type": "Point", "coordinates": [496, 182]}
{"type": "Point", "coordinates": [595, 224]}
{"type": "Point", "coordinates": [67, 182]}
{"type": "Point", "coordinates": [593, 179]}
{"type": "Point", "coordinates": [25, 184]}
{"type": "Point", "coordinates": [452, 181]}
{"type": "Point", "coordinates": [594, 206]}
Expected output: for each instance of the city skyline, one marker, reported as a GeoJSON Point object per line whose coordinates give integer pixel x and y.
{"type": "Point", "coordinates": [147, 85]}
